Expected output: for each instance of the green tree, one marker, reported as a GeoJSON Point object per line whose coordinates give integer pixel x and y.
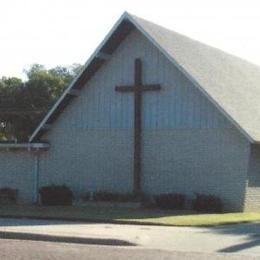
{"type": "Point", "coordinates": [24, 103]}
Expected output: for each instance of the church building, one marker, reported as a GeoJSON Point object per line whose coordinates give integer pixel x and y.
{"type": "Point", "coordinates": [151, 112]}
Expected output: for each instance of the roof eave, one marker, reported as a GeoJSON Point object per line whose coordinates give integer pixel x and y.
{"type": "Point", "coordinates": [99, 50]}
{"type": "Point", "coordinates": [24, 146]}
{"type": "Point", "coordinates": [192, 79]}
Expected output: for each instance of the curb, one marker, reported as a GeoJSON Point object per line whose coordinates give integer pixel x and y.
{"type": "Point", "coordinates": [64, 239]}
{"type": "Point", "coordinates": [121, 222]}
{"type": "Point", "coordinates": [88, 220]}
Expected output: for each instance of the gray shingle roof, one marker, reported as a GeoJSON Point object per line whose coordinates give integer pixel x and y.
{"type": "Point", "coordinates": [231, 83]}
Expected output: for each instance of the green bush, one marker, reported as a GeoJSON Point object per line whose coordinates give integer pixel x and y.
{"type": "Point", "coordinates": [8, 195]}
{"type": "Point", "coordinates": [207, 203]}
{"type": "Point", "coordinates": [86, 196]}
{"type": "Point", "coordinates": [170, 201]}
{"type": "Point", "coordinates": [114, 196]}
{"type": "Point", "coordinates": [56, 195]}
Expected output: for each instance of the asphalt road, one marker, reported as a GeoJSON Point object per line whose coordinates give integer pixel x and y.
{"type": "Point", "coordinates": [27, 250]}
{"type": "Point", "coordinates": [242, 239]}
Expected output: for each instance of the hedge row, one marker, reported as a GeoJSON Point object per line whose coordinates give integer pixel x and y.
{"type": "Point", "coordinates": [8, 195]}
{"type": "Point", "coordinates": [114, 196]}
{"type": "Point", "coordinates": [56, 195]}
{"type": "Point", "coordinates": [201, 202]}
{"type": "Point", "coordinates": [62, 195]}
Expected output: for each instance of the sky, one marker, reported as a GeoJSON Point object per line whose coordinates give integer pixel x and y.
{"type": "Point", "coordinates": [63, 32]}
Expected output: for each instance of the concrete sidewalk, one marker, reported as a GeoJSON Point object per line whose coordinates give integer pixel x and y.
{"type": "Point", "coordinates": [243, 239]}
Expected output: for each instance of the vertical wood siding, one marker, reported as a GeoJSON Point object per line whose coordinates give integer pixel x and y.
{"type": "Point", "coordinates": [178, 105]}
{"type": "Point", "coordinates": [189, 146]}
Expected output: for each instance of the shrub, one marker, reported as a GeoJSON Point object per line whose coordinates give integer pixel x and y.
{"type": "Point", "coordinates": [8, 195]}
{"type": "Point", "coordinates": [148, 201]}
{"type": "Point", "coordinates": [170, 200]}
{"type": "Point", "coordinates": [114, 196]}
{"type": "Point", "coordinates": [207, 203]}
{"type": "Point", "coordinates": [56, 195]}
{"type": "Point", "coordinates": [86, 196]}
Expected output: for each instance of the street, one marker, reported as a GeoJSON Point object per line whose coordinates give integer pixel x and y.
{"type": "Point", "coordinates": [38, 239]}
{"type": "Point", "coordinates": [26, 250]}
{"type": "Point", "coordinates": [242, 239]}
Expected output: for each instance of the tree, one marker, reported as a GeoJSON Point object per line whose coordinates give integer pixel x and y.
{"type": "Point", "coordinates": [24, 103]}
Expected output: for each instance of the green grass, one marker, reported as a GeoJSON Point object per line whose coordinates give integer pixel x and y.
{"type": "Point", "coordinates": [123, 215]}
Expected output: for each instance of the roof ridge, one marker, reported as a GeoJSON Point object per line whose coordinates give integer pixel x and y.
{"type": "Point", "coordinates": [194, 40]}
{"type": "Point", "coordinates": [230, 83]}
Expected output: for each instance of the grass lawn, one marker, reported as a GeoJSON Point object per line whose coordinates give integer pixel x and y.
{"type": "Point", "coordinates": [123, 215]}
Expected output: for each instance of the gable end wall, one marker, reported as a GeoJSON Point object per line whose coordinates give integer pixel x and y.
{"type": "Point", "coordinates": [188, 145]}
{"type": "Point", "coordinates": [252, 199]}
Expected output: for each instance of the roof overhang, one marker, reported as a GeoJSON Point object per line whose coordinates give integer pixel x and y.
{"type": "Point", "coordinates": [24, 146]}
{"type": "Point", "coordinates": [118, 33]}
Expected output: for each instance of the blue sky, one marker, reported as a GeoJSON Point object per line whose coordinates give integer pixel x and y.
{"type": "Point", "coordinates": [62, 32]}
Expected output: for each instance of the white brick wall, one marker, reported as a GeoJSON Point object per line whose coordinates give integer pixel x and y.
{"type": "Point", "coordinates": [16, 171]}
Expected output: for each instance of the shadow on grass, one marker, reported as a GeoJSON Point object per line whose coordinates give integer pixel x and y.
{"type": "Point", "coordinates": [251, 231]}
{"type": "Point", "coordinates": [37, 215]}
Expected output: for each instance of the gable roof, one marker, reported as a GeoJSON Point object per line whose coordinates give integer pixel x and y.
{"type": "Point", "coordinates": [230, 83]}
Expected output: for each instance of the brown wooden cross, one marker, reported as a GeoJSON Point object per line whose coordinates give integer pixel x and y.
{"type": "Point", "coordinates": [138, 89]}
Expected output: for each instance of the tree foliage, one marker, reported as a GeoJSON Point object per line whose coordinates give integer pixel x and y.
{"type": "Point", "coordinates": [24, 103]}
